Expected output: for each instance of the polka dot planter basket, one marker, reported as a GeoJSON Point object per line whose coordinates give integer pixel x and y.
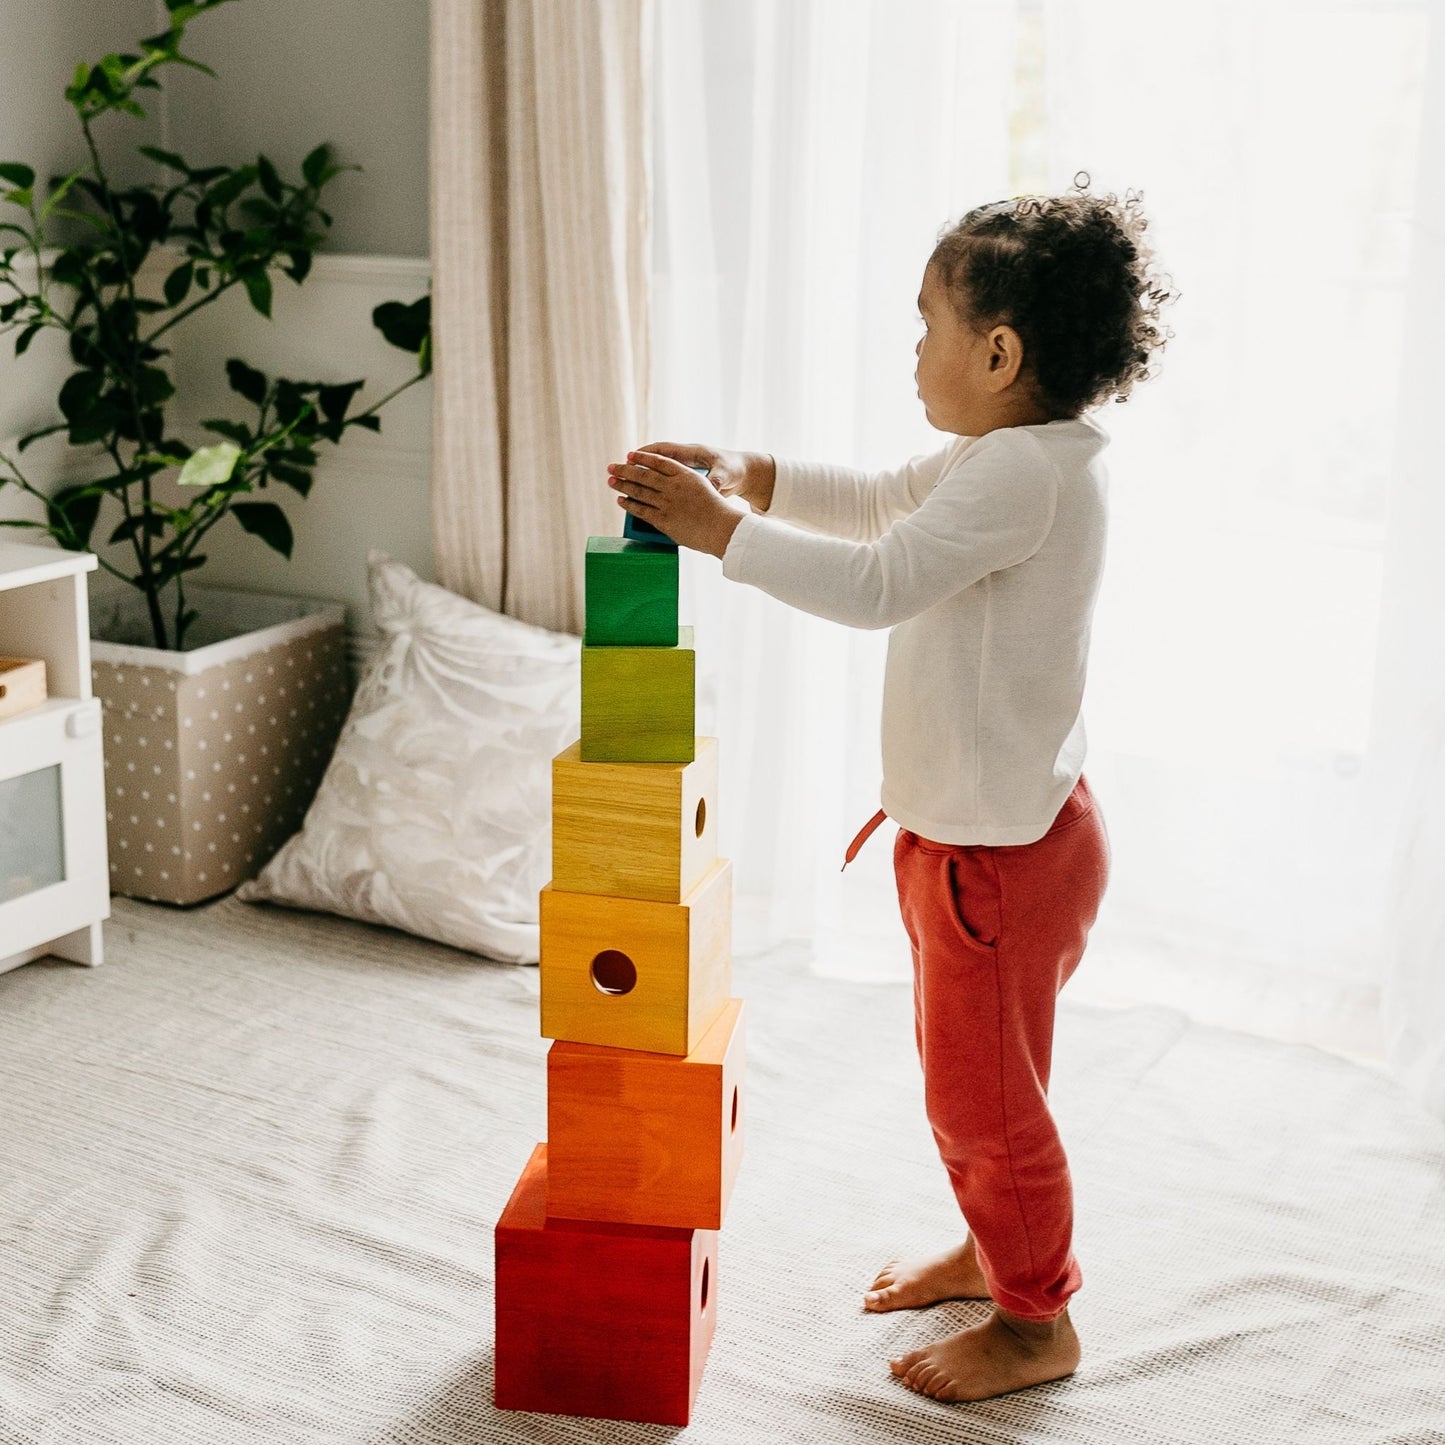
{"type": "Point", "coordinates": [213, 755]}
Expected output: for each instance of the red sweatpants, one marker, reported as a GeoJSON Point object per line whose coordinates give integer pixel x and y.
{"type": "Point", "coordinates": [996, 933]}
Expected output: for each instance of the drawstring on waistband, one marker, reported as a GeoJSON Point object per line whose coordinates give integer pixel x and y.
{"type": "Point", "coordinates": [864, 834]}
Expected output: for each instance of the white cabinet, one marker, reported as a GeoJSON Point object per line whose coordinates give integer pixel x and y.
{"type": "Point", "coordinates": [54, 883]}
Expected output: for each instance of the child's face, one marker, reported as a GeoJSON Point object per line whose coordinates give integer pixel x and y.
{"type": "Point", "coordinates": [965, 377]}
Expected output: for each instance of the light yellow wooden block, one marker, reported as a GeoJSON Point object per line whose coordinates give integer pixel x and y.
{"type": "Point", "coordinates": [633, 830]}
{"type": "Point", "coordinates": [22, 684]}
{"type": "Point", "coordinates": [630, 973]}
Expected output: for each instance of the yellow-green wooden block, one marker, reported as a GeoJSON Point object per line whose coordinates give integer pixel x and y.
{"type": "Point", "coordinates": [638, 703]}
{"type": "Point", "coordinates": [631, 594]}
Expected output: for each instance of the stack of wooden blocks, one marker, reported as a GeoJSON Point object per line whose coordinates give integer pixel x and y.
{"type": "Point", "coordinates": [606, 1254]}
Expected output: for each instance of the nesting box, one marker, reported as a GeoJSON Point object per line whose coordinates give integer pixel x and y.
{"type": "Point", "coordinates": [608, 1320]}
{"type": "Point", "coordinates": [22, 684]}
{"type": "Point", "coordinates": [637, 1138]}
{"type": "Point", "coordinates": [633, 830]}
{"type": "Point", "coordinates": [638, 703]}
{"type": "Point", "coordinates": [631, 591]}
{"type": "Point", "coordinates": [634, 974]}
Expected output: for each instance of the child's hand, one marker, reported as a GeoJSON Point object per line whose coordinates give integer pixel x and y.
{"type": "Point", "coordinates": [748, 475]}
{"type": "Point", "coordinates": [663, 490]}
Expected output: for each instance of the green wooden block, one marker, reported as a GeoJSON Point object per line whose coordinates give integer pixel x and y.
{"type": "Point", "coordinates": [631, 594]}
{"type": "Point", "coordinates": [638, 703]}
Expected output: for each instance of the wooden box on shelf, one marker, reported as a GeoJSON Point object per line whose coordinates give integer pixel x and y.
{"type": "Point", "coordinates": [22, 684]}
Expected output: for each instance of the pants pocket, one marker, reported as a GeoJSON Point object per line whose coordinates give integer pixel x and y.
{"type": "Point", "coordinates": [973, 898]}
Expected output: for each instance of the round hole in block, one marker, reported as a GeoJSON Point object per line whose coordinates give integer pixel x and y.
{"type": "Point", "coordinates": [735, 1109]}
{"type": "Point", "coordinates": [700, 822]}
{"type": "Point", "coordinates": [702, 1300]}
{"type": "Point", "coordinates": [613, 972]}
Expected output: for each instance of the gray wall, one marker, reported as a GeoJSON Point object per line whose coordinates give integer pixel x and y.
{"type": "Point", "coordinates": [293, 73]}
{"type": "Point", "coordinates": [42, 41]}
{"type": "Point", "coordinates": [290, 74]}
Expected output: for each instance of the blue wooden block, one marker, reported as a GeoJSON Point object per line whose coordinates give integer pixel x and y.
{"type": "Point", "coordinates": [639, 531]}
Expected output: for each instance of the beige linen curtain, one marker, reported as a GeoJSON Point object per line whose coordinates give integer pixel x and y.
{"type": "Point", "coordinates": [540, 262]}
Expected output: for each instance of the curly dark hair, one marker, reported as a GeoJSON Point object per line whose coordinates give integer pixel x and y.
{"type": "Point", "coordinates": [1071, 274]}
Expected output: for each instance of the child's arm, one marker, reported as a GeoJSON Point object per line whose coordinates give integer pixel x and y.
{"type": "Point", "coordinates": [986, 512]}
{"type": "Point", "coordinates": [837, 501]}
{"type": "Point", "coordinates": [990, 512]}
{"type": "Point", "coordinates": [845, 502]}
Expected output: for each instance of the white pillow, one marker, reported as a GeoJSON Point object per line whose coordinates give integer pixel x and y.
{"type": "Point", "coordinates": [435, 813]}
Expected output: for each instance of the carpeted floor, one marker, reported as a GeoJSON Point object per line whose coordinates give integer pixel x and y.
{"type": "Point", "coordinates": [251, 1168]}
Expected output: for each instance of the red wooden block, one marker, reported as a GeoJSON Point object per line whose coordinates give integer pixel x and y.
{"type": "Point", "coordinates": [642, 1138]}
{"type": "Point", "coordinates": [608, 1320]}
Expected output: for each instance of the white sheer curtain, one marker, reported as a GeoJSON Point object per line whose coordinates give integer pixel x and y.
{"type": "Point", "coordinates": [1252, 767]}
{"type": "Point", "coordinates": [1235, 735]}
{"type": "Point", "coordinates": [1411, 674]}
{"type": "Point", "coordinates": [806, 156]}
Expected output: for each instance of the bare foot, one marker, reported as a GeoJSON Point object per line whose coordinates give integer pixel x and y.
{"type": "Point", "coordinates": [1002, 1354]}
{"type": "Point", "coordinates": [909, 1284]}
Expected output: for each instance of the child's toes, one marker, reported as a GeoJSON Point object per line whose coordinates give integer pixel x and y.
{"type": "Point", "coordinates": [881, 1299]}
{"type": "Point", "coordinates": [905, 1363]}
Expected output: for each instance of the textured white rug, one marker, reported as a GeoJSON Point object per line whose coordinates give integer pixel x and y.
{"type": "Point", "coordinates": [251, 1168]}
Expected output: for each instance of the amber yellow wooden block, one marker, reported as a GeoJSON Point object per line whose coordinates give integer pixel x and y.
{"type": "Point", "coordinates": [633, 830]}
{"type": "Point", "coordinates": [639, 703]}
{"type": "Point", "coordinates": [636, 1138]}
{"type": "Point", "coordinates": [634, 974]}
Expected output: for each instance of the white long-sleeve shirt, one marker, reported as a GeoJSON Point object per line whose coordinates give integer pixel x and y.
{"type": "Point", "coordinates": [985, 559]}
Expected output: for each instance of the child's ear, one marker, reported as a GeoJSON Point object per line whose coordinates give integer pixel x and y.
{"type": "Point", "coordinates": [1005, 356]}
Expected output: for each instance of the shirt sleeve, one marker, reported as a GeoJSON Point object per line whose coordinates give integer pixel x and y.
{"type": "Point", "coordinates": [843, 502]}
{"type": "Point", "coordinates": [992, 509]}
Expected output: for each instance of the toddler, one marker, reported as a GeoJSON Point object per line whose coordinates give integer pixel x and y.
{"type": "Point", "coordinates": [984, 558]}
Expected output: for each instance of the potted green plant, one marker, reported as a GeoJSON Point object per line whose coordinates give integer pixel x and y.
{"type": "Point", "coordinates": [77, 262]}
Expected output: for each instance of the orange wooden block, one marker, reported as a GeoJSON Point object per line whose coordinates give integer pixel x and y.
{"type": "Point", "coordinates": [639, 1138]}
{"type": "Point", "coordinates": [634, 974]}
{"type": "Point", "coordinates": [609, 1320]}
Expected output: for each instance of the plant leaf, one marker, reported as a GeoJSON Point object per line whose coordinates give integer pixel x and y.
{"type": "Point", "coordinates": [80, 394]}
{"type": "Point", "coordinates": [294, 477]}
{"type": "Point", "coordinates": [142, 521]}
{"type": "Point", "coordinates": [59, 190]}
{"type": "Point", "coordinates": [165, 158]}
{"type": "Point", "coordinates": [231, 430]}
{"type": "Point", "coordinates": [270, 180]}
{"type": "Point", "coordinates": [258, 288]}
{"type": "Point", "coordinates": [314, 166]}
{"type": "Point", "coordinates": [153, 386]}
{"type": "Point", "coordinates": [244, 379]}
{"type": "Point", "coordinates": [16, 174]}
{"type": "Point", "coordinates": [402, 325]}
{"type": "Point", "coordinates": [230, 186]}
{"type": "Point", "coordinates": [178, 283]}
{"type": "Point", "coordinates": [72, 512]}
{"type": "Point", "coordinates": [335, 399]}
{"type": "Point", "coordinates": [22, 342]}
{"type": "Point", "coordinates": [210, 466]}
{"type": "Point", "coordinates": [35, 436]}
{"type": "Point", "coordinates": [268, 522]}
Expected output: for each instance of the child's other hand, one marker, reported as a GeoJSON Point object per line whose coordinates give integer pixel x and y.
{"type": "Point", "coordinates": [659, 487]}
{"type": "Point", "coordinates": [748, 475]}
